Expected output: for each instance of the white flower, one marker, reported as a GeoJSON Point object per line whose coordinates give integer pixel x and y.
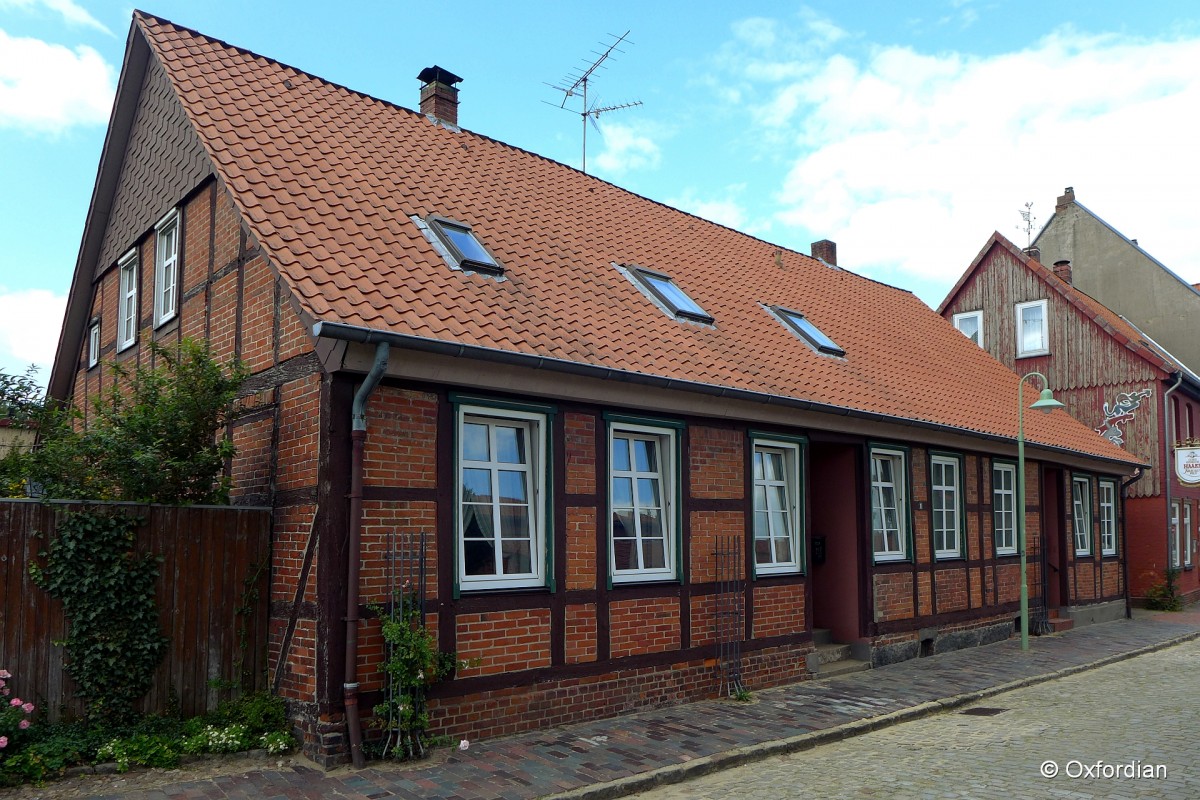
{"type": "Point", "coordinates": [464, 744]}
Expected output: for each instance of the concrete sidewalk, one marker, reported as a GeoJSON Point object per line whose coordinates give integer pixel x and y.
{"type": "Point", "coordinates": [619, 756]}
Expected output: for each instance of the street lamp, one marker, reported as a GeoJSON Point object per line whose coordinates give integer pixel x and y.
{"type": "Point", "coordinates": [1046, 403]}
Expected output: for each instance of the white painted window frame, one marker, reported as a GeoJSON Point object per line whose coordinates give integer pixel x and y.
{"type": "Point", "coordinates": [1187, 534]}
{"type": "Point", "coordinates": [668, 476]}
{"type": "Point", "coordinates": [127, 301]}
{"type": "Point", "coordinates": [1011, 511]}
{"type": "Point", "coordinates": [975, 315]}
{"type": "Point", "coordinates": [946, 497]}
{"type": "Point", "coordinates": [1045, 348]}
{"type": "Point", "coordinates": [93, 344]}
{"type": "Point", "coordinates": [1081, 515]}
{"type": "Point", "coordinates": [1108, 518]}
{"type": "Point", "coordinates": [899, 487]}
{"type": "Point", "coordinates": [1174, 555]}
{"type": "Point", "coordinates": [166, 268]}
{"type": "Point", "coordinates": [537, 428]}
{"type": "Point", "coordinates": [790, 483]}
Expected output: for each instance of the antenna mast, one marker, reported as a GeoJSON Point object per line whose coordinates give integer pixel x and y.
{"type": "Point", "coordinates": [1029, 218]}
{"type": "Point", "coordinates": [575, 84]}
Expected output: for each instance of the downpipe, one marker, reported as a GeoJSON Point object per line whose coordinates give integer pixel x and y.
{"type": "Point", "coordinates": [358, 439]}
{"type": "Point", "coordinates": [1137, 476]}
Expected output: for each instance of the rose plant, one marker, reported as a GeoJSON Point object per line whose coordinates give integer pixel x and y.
{"type": "Point", "coordinates": [14, 714]}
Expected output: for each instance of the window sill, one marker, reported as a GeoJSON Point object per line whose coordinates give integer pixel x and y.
{"type": "Point", "coordinates": [1033, 354]}
{"type": "Point", "coordinates": [941, 557]}
{"type": "Point", "coordinates": [1013, 554]}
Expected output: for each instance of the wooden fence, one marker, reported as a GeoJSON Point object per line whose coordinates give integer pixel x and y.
{"type": "Point", "coordinates": [213, 589]}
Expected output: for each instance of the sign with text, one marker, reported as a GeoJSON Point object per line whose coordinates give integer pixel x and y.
{"type": "Point", "coordinates": [1187, 464]}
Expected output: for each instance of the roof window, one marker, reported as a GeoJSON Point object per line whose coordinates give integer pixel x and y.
{"type": "Point", "coordinates": [803, 327]}
{"type": "Point", "coordinates": [464, 249]}
{"type": "Point", "coordinates": [663, 289]}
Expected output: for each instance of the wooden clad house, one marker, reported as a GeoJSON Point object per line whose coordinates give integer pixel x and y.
{"type": "Point", "coordinates": [612, 418]}
{"type": "Point", "coordinates": [1114, 378]}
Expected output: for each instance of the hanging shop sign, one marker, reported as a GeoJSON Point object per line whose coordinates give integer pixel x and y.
{"type": "Point", "coordinates": [1187, 465]}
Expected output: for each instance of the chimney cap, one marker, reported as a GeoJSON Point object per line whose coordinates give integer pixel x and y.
{"type": "Point", "coordinates": [436, 74]}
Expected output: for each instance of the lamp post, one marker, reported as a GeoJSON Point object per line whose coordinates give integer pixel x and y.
{"type": "Point", "coordinates": [1046, 403]}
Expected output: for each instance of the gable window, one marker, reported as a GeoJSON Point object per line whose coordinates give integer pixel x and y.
{"type": "Point", "coordinates": [806, 331]}
{"type": "Point", "coordinates": [944, 486]}
{"type": "Point", "coordinates": [93, 344]}
{"type": "Point", "coordinates": [1108, 518]}
{"type": "Point", "coordinates": [1081, 513]}
{"type": "Point", "coordinates": [1173, 544]}
{"type": "Point", "coordinates": [501, 490]}
{"type": "Point", "coordinates": [1032, 329]}
{"type": "Point", "coordinates": [1004, 504]}
{"type": "Point", "coordinates": [464, 249]}
{"type": "Point", "coordinates": [642, 482]}
{"type": "Point", "coordinates": [970, 323]}
{"type": "Point", "coordinates": [166, 267]}
{"type": "Point", "coordinates": [777, 510]}
{"type": "Point", "coordinates": [127, 312]}
{"type": "Point", "coordinates": [664, 290]}
{"type": "Point", "coordinates": [889, 504]}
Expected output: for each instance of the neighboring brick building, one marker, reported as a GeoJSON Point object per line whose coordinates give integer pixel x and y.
{"type": "Point", "coordinates": [633, 435]}
{"type": "Point", "coordinates": [1113, 377]}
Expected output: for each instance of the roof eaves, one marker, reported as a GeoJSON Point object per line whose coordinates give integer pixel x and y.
{"type": "Point", "coordinates": [352, 333]}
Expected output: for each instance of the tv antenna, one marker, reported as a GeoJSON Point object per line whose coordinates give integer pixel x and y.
{"type": "Point", "coordinates": [575, 84]}
{"type": "Point", "coordinates": [1029, 218]}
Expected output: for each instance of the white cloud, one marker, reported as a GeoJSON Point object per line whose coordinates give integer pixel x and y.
{"type": "Point", "coordinates": [71, 12]}
{"type": "Point", "coordinates": [48, 87]}
{"type": "Point", "coordinates": [30, 322]}
{"type": "Point", "coordinates": [626, 148]}
{"type": "Point", "coordinates": [910, 160]}
{"type": "Point", "coordinates": [726, 210]}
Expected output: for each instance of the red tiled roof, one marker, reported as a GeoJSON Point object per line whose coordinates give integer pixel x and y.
{"type": "Point", "coordinates": [327, 180]}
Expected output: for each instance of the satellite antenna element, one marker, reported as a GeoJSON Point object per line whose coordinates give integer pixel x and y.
{"type": "Point", "coordinates": [575, 84]}
{"type": "Point", "coordinates": [1029, 218]}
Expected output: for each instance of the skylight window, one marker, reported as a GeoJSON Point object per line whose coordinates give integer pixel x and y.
{"type": "Point", "coordinates": [806, 330]}
{"type": "Point", "coordinates": [463, 247]}
{"type": "Point", "coordinates": [663, 289]}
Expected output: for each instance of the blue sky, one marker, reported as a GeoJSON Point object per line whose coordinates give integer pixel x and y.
{"type": "Point", "coordinates": [905, 132]}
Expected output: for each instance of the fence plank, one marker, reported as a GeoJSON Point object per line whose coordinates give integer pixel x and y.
{"type": "Point", "coordinates": [208, 555]}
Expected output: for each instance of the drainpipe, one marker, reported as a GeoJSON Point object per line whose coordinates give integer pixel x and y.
{"type": "Point", "coordinates": [358, 439]}
{"type": "Point", "coordinates": [1137, 476]}
{"type": "Point", "coordinates": [1168, 467]}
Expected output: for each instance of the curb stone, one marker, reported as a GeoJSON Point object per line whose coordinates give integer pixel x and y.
{"type": "Point", "coordinates": [704, 765]}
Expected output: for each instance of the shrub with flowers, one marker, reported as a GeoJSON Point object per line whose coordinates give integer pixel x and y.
{"type": "Point", "coordinates": [14, 714]}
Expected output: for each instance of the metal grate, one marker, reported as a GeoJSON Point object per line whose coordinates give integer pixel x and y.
{"type": "Point", "coordinates": [730, 612]}
{"type": "Point", "coordinates": [983, 711]}
{"type": "Point", "coordinates": [406, 576]}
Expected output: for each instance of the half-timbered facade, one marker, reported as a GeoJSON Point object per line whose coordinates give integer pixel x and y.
{"type": "Point", "coordinates": [634, 438]}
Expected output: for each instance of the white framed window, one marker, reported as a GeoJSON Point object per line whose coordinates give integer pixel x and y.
{"type": "Point", "coordinates": [1108, 518]}
{"type": "Point", "coordinates": [970, 323]}
{"type": "Point", "coordinates": [1033, 338]}
{"type": "Point", "coordinates": [93, 344]}
{"type": "Point", "coordinates": [1187, 534]}
{"type": "Point", "coordinates": [642, 479]}
{"type": "Point", "coordinates": [166, 267]}
{"type": "Point", "coordinates": [778, 515]}
{"type": "Point", "coordinates": [804, 329]}
{"type": "Point", "coordinates": [1081, 515]}
{"type": "Point", "coordinates": [944, 484]}
{"type": "Point", "coordinates": [127, 312]}
{"type": "Point", "coordinates": [663, 290]}
{"type": "Point", "coordinates": [889, 504]}
{"type": "Point", "coordinates": [1004, 508]}
{"type": "Point", "coordinates": [500, 495]}
{"type": "Point", "coordinates": [1173, 544]}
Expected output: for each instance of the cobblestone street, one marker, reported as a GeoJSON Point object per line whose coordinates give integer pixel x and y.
{"type": "Point", "coordinates": [1137, 715]}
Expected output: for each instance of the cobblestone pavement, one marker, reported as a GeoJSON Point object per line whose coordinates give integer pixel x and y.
{"type": "Point", "coordinates": [620, 756]}
{"type": "Point", "coordinates": [1126, 730]}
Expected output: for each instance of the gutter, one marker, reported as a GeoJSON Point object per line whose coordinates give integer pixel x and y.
{"type": "Point", "coordinates": [353, 333]}
{"type": "Point", "coordinates": [1168, 467]}
{"type": "Point", "coordinates": [1137, 476]}
{"type": "Point", "coordinates": [358, 439]}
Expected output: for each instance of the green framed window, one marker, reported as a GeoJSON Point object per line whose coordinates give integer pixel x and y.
{"type": "Point", "coordinates": [890, 520]}
{"type": "Point", "coordinates": [945, 488]}
{"type": "Point", "coordinates": [644, 503]}
{"type": "Point", "coordinates": [1004, 508]}
{"type": "Point", "coordinates": [778, 504]}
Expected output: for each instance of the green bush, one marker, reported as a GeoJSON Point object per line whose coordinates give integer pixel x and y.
{"type": "Point", "coordinates": [1165, 596]}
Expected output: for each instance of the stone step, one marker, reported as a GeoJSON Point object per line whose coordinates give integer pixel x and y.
{"type": "Point", "coordinates": [843, 667]}
{"type": "Point", "coordinates": [1060, 624]}
{"type": "Point", "coordinates": [828, 653]}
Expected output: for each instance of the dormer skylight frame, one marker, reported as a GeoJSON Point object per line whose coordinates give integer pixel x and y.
{"type": "Point", "coordinates": [457, 238]}
{"type": "Point", "coordinates": [806, 331]}
{"type": "Point", "coordinates": [663, 288]}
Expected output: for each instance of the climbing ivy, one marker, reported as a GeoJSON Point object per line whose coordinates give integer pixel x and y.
{"type": "Point", "coordinates": [113, 643]}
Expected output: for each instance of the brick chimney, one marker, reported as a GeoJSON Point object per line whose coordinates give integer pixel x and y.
{"type": "Point", "coordinates": [1063, 270]}
{"type": "Point", "coordinates": [1066, 199]}
{"type": "Point", "coordinates": [439, 96]}
{"type": "Point", "coordinates": [826, 251]}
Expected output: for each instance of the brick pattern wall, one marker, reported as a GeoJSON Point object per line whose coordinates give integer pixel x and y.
{"type": "Point", "coordinates": [503, 641]}
{"type": "Point", "coordinates": [778, 610]}
{"type": "Point", "coordinates": [893, 596]}
{"type": "Point", "coordinates": [716, 462]}
{"type": "Point", "coordinates": [643, 626]}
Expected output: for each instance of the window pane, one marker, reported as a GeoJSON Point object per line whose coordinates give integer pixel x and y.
{"type": "Point", "coordinates": [653, 554]}
{"type": "Point", "coordinates": [645, 455]}
{"type": "Point", "coordinates": [773, 466]}
{"type": "Point", "coordinates": [758, 466]}
{"type": "Point", "coordinates": [761, 531]}
{"type": "Point", "coordinates": [623, 523]}
{"type": "Point", "coordinates": [477, 486]}
{"type": "Point", "coordinates": [647, 489]}
{"type": "Point", "coordinates": [760, 498]}
{"type": "Point", "coordinates": [762, 551]}
{"type": "Point", "coordinates": [464, 241]}
{"type": "Point", "coordinates": [479, 556]}
{"type": "Point", "coordinates": [651, 524]}
{"type": "Point", "coordinates": [477, 521]}
{"type": "Point", "coordinates": [672, 294]}
{"type": "Point", "coordinates": [512, 487]}
{"type": "Point", "coordinates": [779, 525]}
{"type": "Point", "coordinates": [510, 445]}
{"type": "Point", "coordinates": [1031, 328]}
{"type": "Point", "coordinates": [516, 557]}
{"type": "Point", "coordinates": [514, 522]}
{"type": "Point", "coordinates": [622, 492]}
{"type": "Point", "coordinates": [475, 442]}
{"type": "Point", "coordinates": [777, 498]}
{"type": "Point", "coordinates": [783, 551]}
{"type": "Point", "coordinates": [621, 454]}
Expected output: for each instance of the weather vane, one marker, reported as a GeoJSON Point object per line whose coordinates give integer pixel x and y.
{"type": "Point", "coordinates": [576, 84]}
{"type": "Point", "coordinates": [1029, 218]}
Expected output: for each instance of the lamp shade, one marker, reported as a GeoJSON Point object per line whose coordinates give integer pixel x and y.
{"type": "Point", "coordinates": [1046, 403]}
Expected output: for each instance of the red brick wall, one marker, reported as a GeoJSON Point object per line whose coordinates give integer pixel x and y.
{"type": "Point", "coordinates": [581, 453]}
{"type": "Point", "coordinates": [893, 596]}
{"type": "Point", "coordinates": [778, 610]}
{"type": "Point", "coordinates": [643, 626]}
{"type": "Point", "coordinates": [716, 462]}
{"type": "Point", "coordinates": [581, 548]}
{"type": "Point", "coordinates": [503, 641]}
{"type": "Point", "coordinates": [951, 587]}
